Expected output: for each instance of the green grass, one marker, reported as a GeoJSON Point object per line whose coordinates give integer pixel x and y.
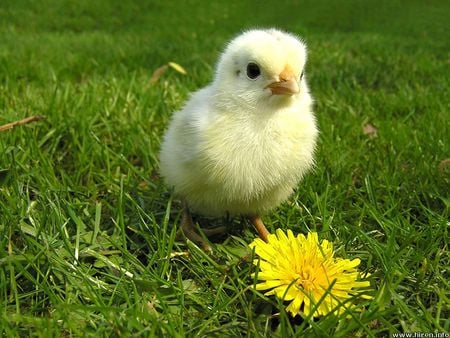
{"type": "Point", "coordinates": [87, 227]}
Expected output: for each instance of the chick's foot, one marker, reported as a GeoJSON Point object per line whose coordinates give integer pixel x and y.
{"type": "Point", "coordinates": [189, 230]}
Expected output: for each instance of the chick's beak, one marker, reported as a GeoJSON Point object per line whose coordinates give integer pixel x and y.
{"type": "Point", "coordinates": [287, 84]}
{"type": "Point", "coordinates": [284, 87]}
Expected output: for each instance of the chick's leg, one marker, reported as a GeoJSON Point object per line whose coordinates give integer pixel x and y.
{"type": "Point", "coordinates": [189, 230]}
{"type": "Point", "coordinates": [260, 227]}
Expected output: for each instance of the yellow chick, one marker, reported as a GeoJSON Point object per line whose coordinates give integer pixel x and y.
{"type": "Point", "coordinates": [243, 143]}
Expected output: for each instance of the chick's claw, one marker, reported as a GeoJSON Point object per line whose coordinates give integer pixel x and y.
{"type": "Point", "coordinates": [214, 231]}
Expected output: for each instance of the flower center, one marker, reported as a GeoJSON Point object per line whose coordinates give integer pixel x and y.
{"type": "Point", "coordinates": [306, 279]}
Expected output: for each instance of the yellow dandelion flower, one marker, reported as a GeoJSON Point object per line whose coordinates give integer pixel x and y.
{"type": "Point", "coordinates": [305, 272]}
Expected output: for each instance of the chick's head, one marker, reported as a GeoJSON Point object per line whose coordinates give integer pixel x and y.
{"type": "Point", "coordinates": [260, 67]}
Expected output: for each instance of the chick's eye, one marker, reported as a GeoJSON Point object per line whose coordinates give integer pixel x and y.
{"type": "Point", "coordinates": [253, 71]}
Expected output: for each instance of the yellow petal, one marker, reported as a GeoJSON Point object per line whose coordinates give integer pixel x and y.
{"type": "Point", "coordinates": [286, 292]}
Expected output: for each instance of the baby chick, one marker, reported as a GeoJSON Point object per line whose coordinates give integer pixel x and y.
{"type": "Point", "coordinates": [243, 143]}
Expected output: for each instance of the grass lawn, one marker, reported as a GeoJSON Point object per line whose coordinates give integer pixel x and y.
{"type": "Point", "coordinates": [87, 227]}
